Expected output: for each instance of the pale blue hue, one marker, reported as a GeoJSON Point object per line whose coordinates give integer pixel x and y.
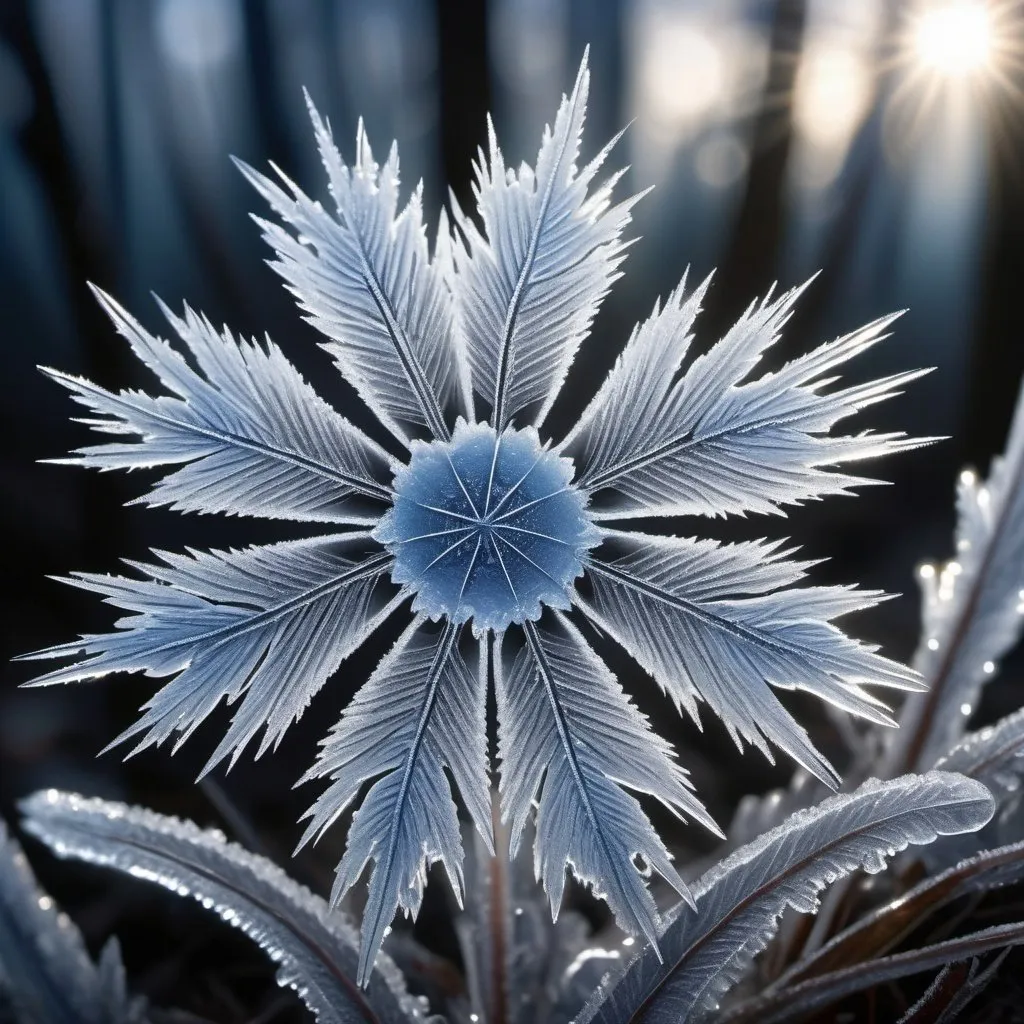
{"type": "Point", "coordinates": [453, 346]}
{"type": "Point", "coordinates": [487, 527]}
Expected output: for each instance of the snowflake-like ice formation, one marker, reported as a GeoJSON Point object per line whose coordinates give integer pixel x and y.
{"type": "Point", "coordinates": [505, 537]}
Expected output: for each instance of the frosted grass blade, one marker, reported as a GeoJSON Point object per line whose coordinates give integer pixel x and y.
{"type": "Point", "coordinates": [314, 947]}
{"type": "Point", "coordinates": [740, 901]}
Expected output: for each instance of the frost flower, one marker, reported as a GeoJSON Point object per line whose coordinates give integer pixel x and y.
{"type": "Point", "coordinates": [500, 538]}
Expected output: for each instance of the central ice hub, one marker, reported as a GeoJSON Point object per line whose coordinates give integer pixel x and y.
{"type": "Point", "coordinates": [487, 527]}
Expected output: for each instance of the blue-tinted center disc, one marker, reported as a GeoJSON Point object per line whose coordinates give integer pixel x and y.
{"type": "Point", "coordinates": [487, 527]}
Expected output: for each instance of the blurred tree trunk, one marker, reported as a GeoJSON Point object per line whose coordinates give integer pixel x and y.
{"type": "Point", "coordinates": [465, 97]}
{"type": "Point", "coordinates": [749, 263]}
{"type": "Point", "coordinates": [997, 362]}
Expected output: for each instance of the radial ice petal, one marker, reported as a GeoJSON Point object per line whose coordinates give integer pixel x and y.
{"type": "Point", "coordinates": [530, 282]}
{"type": "Point", "coordinates": [240, 432]}
{"type": "Point", "coordinates": [661, 439]}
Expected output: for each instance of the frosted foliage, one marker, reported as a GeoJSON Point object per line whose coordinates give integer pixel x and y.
{"type": "Point", "coordinates": [251, 436]}
{"type": "Point", "coordinates": [973, 606]}
{"type": "Point", "coordinates": [484, 524]}
{"type": "Point", "coordinates": [487, 527]}
{"type": "Point", "coordinates": [740, 900]}
{"type": "Point", "coordinates": [314, 947]}
{"type": "Point", "coordinates": [816, 993]}
{"type": "Point", "coordinates": [564, 719]}
{"type": "Point", "coordinates": [977, 873]}
{"type": "Point", "coordinates": [46, 975]}
{"type": "Point", "coordinates": [709, 621]}
{"type": "Point", "coordinates": [935, 1005]}
{"type": "Point", "coordinates": [993, 755]}
{"type": "Point", "coordinates": [756, 814]}
{"type": "Point", "coordinates": [521, 966]}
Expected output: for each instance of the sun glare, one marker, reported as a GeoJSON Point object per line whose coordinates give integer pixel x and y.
{"type": "Point", "coordinates": [958, 63]}
{"type": "Point", "coordinates": [955, 39]}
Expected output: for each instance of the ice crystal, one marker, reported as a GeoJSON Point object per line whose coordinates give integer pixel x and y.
{"type": "Point", "coordinates": [487, 527]}
{"type": "Point", "coordinates": [493, 529]}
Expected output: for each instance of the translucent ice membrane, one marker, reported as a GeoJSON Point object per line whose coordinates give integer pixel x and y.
{"type": "Point", "coordinates": [487, 527]}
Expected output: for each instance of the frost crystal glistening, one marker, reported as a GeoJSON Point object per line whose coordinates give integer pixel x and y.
{"type": "Point", "coordinates": [486, 524]}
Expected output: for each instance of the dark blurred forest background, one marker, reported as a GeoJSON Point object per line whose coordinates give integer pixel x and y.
{"type": "Point", "coordinates": [782, 137]}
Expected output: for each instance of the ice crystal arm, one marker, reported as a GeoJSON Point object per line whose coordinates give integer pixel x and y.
{"type": "Point", "coordinates": [266, 625]}
{"type": "Point", "coordinates": [972, 613]}
{"type": "Point", "coordinates": [313, 946]}
{"type": "Point", "coordinates": [529, 285]}
{"type": "Point", "coordinates": [740, 901]}
{"type": "Point", "coordinates": [710, 621]}
{"type": "Point", "coordinates": [659, 441]}
{"type": "Point", "coordinates": [570, 741]}
{"type": "Point", "coordinates": [45, 971]}
{"type": "Point", "coordinates": [250, 435]}
{"type": "Point", "coordinates": [422, 710]}
{"type": "Point", "coordinates": [364, 278]}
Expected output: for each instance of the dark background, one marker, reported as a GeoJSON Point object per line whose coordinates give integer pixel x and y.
{"type": "Point", "coordinates": [782, 137]}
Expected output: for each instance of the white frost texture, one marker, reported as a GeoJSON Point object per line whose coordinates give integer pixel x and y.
{"type": "Point", "coordinates": [741, 899]}
{"type": "Point", "coordinates": [496, 540]}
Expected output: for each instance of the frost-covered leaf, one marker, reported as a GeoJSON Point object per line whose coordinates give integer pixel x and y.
{"type": "Point", "coordinates": [315, 947]}
{"type": "Point", "coordinates": [364, 278]}
{"type": "Point", "coordinates": [993, 755]}
{"type": "Point", "coordinates": [881, 930]}
{"type": "Point", "coordinates": [973, 607]}
{"type": "Point", "coordinates": [757, 814]}
{"type": "Point", "coordinates": [569, 741]}
{"type": "Point", "coordinates": [521, 966]}
{"type": "Point", "coordinates": [529, 285]}
{"type": "Point", "coordinates": [422, 710]}
{"type": "Point", "coordinates": [710, 621]}
{"type": "Point", "coordinates": [740, 901]}
{"type": "Point", "coordinates": [267, 625]}
{"type": "Point", "coordinates": [251, 436]}
{"type": "Point", "coordinates": [657, 440]}
{"type": "Point", "coordinates": [955, 986]}
{"type": "Point", "coordinates": [46, 975]}
{"type": "Point", "coordinates": [802, 1000]}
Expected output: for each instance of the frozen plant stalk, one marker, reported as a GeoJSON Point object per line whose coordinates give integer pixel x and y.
{"type": "Point", "coordinates": [497, 536]}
